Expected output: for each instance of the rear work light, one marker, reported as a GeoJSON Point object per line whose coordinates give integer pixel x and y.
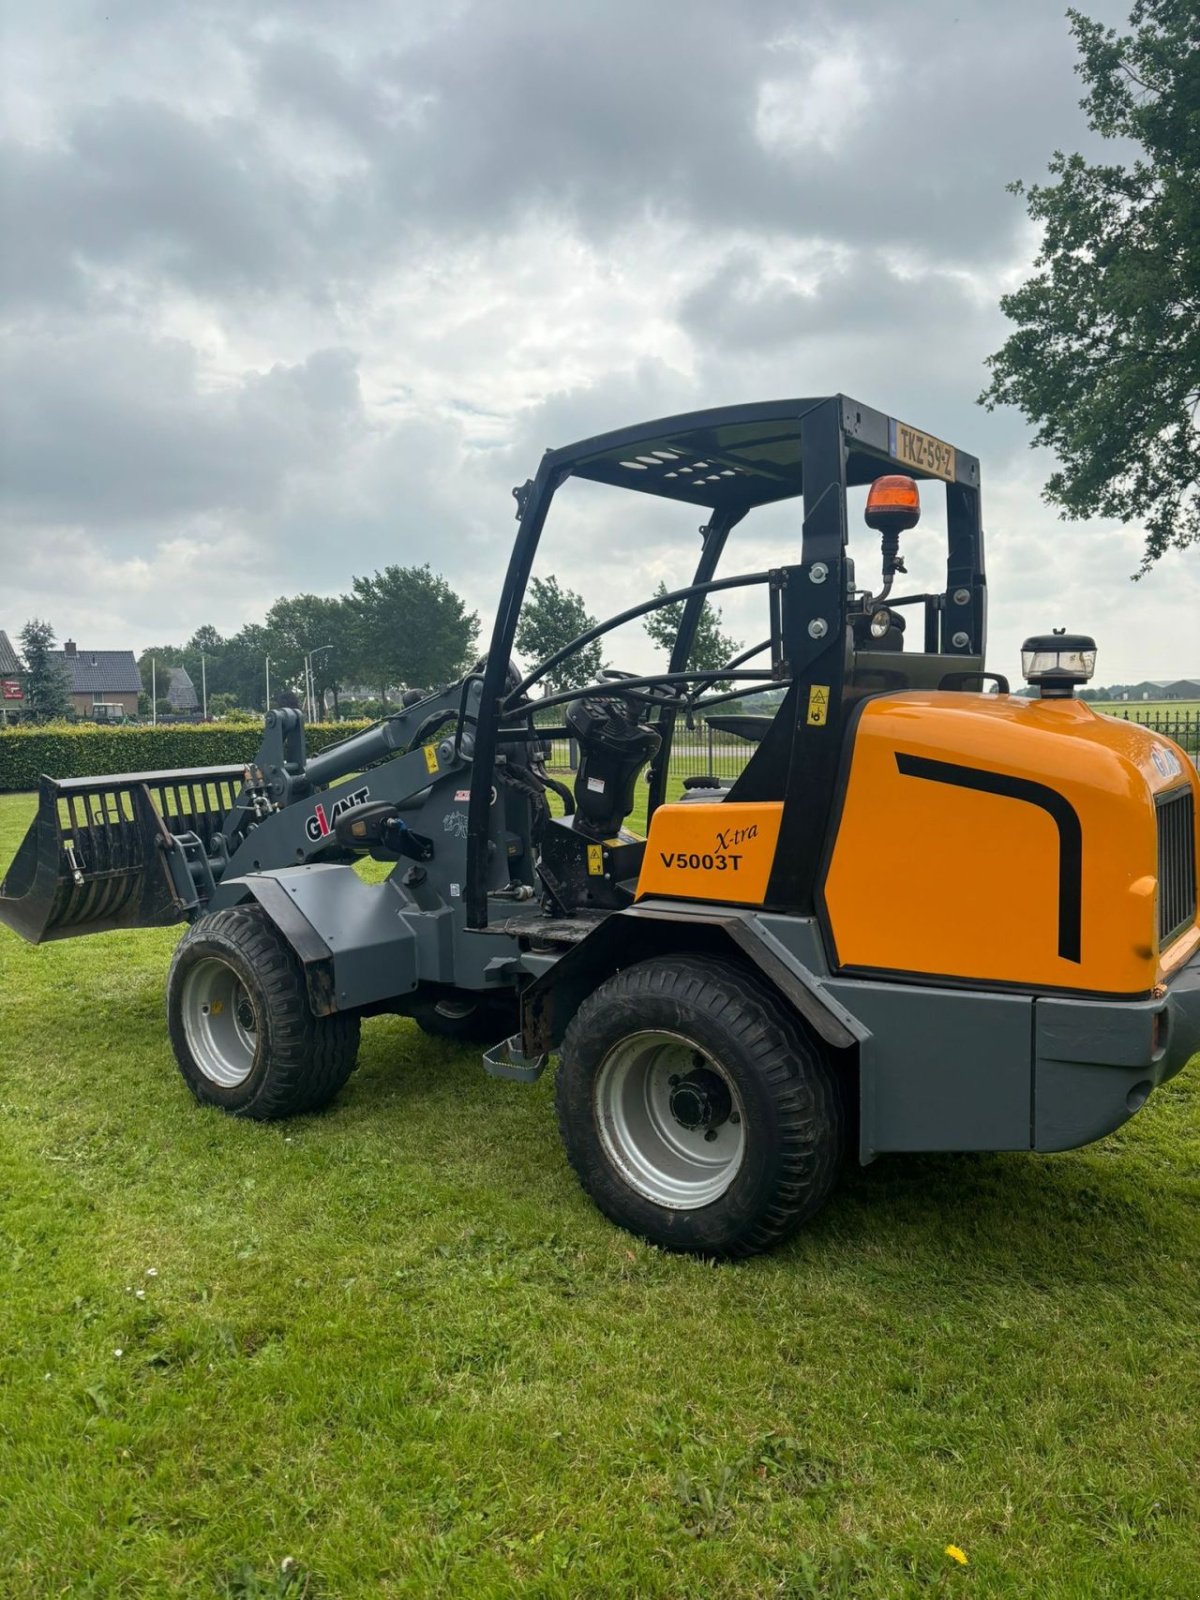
{"type": "Point", "coordinates": [1057, 662]}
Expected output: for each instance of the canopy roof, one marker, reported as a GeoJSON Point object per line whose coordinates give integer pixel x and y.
{"type": "Point", "coordinates": [748, 455]}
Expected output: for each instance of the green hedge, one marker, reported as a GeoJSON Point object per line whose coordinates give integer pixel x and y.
{"type": "Point", "coordinates": [67, 750]}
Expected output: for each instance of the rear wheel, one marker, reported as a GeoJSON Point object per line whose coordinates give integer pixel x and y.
{"type": "Point", "coordinates": [696, 1109]}
{"type": "Point", "coordinates": [240, 1023]}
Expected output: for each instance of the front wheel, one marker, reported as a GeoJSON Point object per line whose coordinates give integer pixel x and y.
{"type": "Point", "coordinates": [696, 1109]}
{"type": "Point", "coordinates": [240, 1023]}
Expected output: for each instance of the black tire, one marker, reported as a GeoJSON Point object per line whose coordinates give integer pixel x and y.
{"type": "Point", "coordinates": [463, 1015]}
{"type": "Point", "coordinates": [775, 1078]}
{"type": "Point", "coordinates": [293, 1061]}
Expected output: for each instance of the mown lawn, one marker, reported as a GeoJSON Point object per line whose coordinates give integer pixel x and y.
{"type": "Point", "coordinates": [395, 1345]}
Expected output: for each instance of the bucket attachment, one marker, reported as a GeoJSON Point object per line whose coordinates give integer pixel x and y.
{"type": "Point", "coordinates": [106, 853]}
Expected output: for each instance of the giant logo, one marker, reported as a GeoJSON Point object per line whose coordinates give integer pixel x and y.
{"type": "Point", "coordinates": [320, 824]}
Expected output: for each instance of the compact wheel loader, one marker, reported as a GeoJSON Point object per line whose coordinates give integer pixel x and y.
{"type": "Point", "coordinates": [928, 915]}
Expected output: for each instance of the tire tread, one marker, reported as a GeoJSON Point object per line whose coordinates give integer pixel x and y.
{"type": "Point", "coordinates": [805, 1093]}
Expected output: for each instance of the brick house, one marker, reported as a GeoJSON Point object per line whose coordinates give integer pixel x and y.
{"type": "Point", "coordinates": [100, 678]}
{"type": "Point", "coordinates": [12, 679]}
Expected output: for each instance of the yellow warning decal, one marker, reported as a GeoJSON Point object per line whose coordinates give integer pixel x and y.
{"type": "Point", "coordinates": [595, 860]}
{"type": "Point", "coordinates": [818, 705]}
{"type": "Point", "coordinates": [431, 760]}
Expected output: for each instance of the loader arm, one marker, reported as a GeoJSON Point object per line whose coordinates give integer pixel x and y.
{"type": "Point", "coordinates": [147, 849]}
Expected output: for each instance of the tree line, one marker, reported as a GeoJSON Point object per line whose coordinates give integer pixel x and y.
{"type": "Point", "coordinates": [403, 628]}
{"type": "Point", "coordinates": [399, 629]}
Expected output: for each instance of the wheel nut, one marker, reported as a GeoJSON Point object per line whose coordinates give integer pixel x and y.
{"type": "Point", "coordinates": [735, 1116]}
{"type": "Point", "coordinates": [673, 1079]}
{"type": "Point", "coordinates": [710, 1135]}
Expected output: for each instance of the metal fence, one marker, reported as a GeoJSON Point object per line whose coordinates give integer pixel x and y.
{"type": "Point", "coordinates": [1183, 726]}
{"type": "Point", "coordinates": [704, 752]}
{"type": "Point", "coordinates": [695, 752]}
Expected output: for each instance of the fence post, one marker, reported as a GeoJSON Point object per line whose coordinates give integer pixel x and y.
{"type": "Point", "coordinates": [711, 759]}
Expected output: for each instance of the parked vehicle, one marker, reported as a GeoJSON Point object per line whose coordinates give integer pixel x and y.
{"type": "Point", "coordinates": [924, 917]}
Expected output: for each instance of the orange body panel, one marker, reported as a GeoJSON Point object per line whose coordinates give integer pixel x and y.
{"type": "Point", "coordinates": [927, 876]}
{"type": "Point", "coordinates": [713, 851]}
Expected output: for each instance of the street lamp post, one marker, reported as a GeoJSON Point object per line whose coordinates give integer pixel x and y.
{"type": "Point", "coordinates": [268, 661]}
{"type": "Point", "coordinates": [310, 682]}
{"type": "Point", "coordinates": [203, 687]}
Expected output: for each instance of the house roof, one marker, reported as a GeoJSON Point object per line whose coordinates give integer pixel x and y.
{"type": "Point", "coordinates": [10, 662]}
{"type": "Point", "coordinates": [100, 671]}
{"type": "Point", "coordinates": [1171, 683]}
{"type": "Point", "coordinates": [182, 692]}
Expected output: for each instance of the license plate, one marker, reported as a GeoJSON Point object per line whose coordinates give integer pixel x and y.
{"type": "Point", "coordinates": [922, 450]}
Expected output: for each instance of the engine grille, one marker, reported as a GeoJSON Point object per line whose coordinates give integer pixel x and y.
{"type": "Point", "coordinates": [1176, 864]}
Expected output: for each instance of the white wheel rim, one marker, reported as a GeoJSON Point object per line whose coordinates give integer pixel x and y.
{"type": "Point", "coordinates": [642, 1088]}
{"type": "Point", "coordinates": [219, 1023]}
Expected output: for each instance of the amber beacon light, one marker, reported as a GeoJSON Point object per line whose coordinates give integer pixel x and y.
{"type": "Point", "coordinates": [893, 505]}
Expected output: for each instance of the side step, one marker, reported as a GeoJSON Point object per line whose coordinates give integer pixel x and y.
{"type": "Point", "coordinates": [508, 1060]}
{"type": "Point", "coordinates": [100, 851]}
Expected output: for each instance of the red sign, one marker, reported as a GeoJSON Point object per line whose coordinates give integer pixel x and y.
{"type": "Point", "coordinates": [11, 689]}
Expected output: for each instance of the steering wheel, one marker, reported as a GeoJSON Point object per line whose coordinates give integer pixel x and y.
{"type": "Point", "coordinates": [653, 693]}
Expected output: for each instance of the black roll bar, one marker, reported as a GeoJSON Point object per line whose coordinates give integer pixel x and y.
{"type": "Point", "coordinates": [744, 580]}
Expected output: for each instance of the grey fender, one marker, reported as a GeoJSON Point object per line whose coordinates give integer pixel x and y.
{"type": "Point", "coordinates": [665, 927]}
{"type": "Point", "coordinates": [357, 942]}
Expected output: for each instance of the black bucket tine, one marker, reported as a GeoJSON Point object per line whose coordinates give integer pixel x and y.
{"type": "Point", "coordinates": [93, 859]}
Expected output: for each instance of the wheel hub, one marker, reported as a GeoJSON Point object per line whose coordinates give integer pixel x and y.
{"type": "Point", "coordinates": [701, 1100]}
{"type": "Point", "coordinates": [219, 1023]}
{"type": "Point", "coordinates": [670, 1119]}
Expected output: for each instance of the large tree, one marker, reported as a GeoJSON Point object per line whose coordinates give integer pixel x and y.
{"type": "Point", "coordinates": [46, 682]}
{"type": "Point", "coordinates": [309, 625]}
{"type": "Point", "coordinates": [243, 671]}
{"type": "Point", "coordinates": [407, 628]}
{"type": "Point", "coordinates": [550, 618]}
{"type": "Point", "coordinates": [1105, 357]}
{"type": "Point", "coordinates": [155, 663]}
{"type": "Point", "coordinates": [711, 649]}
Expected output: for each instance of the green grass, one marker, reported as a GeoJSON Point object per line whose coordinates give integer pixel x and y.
{"type": "Point", "coordinates": [1163, 708]}
{"type": "Point", "coordinates": [396, 1344]}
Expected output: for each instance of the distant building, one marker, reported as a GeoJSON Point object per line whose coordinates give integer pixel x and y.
{"type": "Point", "coordinates": [1166, 689]}
{"type": "Point", "coordinates": [182, 693]}
{"type": "Point", "coordinates": [12, 678]}
{"type": "Point", "coordinates": [100, 683]}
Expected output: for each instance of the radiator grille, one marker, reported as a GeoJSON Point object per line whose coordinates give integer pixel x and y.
{"type": "Point", "coordinates": [1176, 864]}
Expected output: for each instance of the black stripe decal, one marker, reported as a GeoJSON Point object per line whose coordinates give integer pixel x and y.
{"type": "Point", "coordinates": [1070, 833]}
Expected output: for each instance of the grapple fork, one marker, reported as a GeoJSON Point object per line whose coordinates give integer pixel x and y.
{"type": "Point", "coordinates": [104, 853]}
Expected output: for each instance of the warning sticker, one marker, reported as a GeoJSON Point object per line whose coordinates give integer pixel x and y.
{"type": "Point", "coordinates": [595, 860]}
{"type": "Point", "coordinates": [431, 760]}
{"type": "Point", "coordinates": [818, 705]}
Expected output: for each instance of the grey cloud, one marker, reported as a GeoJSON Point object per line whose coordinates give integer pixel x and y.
{"type": "Point", "coordinates": [604, 114]}
{"type": "Point", "coordinates": [219, 215]}
{"type": "Point", "coordinates": [138, 186]}
{"type": "Point", "coordinates": [115, 429]}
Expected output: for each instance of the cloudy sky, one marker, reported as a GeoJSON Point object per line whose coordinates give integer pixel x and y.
{"type": "Point", "coordinates": [292, 291]}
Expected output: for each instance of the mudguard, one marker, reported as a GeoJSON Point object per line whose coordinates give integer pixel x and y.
{"type": "Point", "coordinates": [655, 927]}
{"type": "Point", "coordinates": [357, 941]}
